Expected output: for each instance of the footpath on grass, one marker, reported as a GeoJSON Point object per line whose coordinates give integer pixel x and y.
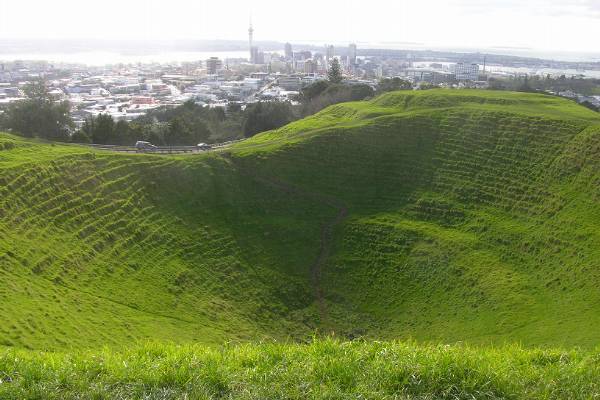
{"type": "Point", "coordinates": [327, 228]}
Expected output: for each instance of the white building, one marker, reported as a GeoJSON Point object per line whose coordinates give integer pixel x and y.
{"type": "Point", "coordinates": [253, 83]}
{"type": "Point", "coordinates": [291, 83]}
{"type": "Point", "coordinates": [466, 72]}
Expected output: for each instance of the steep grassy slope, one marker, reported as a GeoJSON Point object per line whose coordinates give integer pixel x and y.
{"type": "Point", "coordinates": [100, 248]}
{"type": "Point", "coordinates": [440, 215]}
{"type": "Point", "coordinates": [472, 215]}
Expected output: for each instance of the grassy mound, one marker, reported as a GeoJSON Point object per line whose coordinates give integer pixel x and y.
{"type": "Point", "coordinates": [441, 216]}
{"type": "Point", "coordinates": [320, 370]}
{"type": "Point", "coordinates": [472, 215]}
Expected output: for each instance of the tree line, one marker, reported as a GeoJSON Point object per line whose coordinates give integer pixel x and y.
{"type": "Point", "coordinates": [535, 83]}
{"type": "Point", "coordinates": [38, 115]}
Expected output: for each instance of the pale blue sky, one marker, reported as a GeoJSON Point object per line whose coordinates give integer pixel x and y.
{"type": "Point", "coordinates": [570, 25]}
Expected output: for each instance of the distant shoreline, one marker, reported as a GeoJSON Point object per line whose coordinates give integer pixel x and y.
{"type": "Point", "coordinates": [127, 53]}
{"type": "Point", "coordinates": [134, 51]}
{"type": "Point", "coordinates": [104, 58]}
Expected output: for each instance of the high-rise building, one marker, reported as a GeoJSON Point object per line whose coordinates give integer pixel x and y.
{"type": "Point", "coordinates": [466, 72]}
{"type": "Point", "coordinates": [319, 60]}
{"type": "Point", "coordinates": [289, 52]}
{"type": "Point", "coordinates": [329, 53]}
{"type": "Point", "coordinates": [251, 39]}
{"type": "Point", "coordinates": [289, 82]}
{"type": "Point", "coordinates": [310, 67]}
{"type": "Point", "coordinates": [254, 55]}
{"type": "Point", "coordinates": [352, 54]}
{"type": "Point", "coordinates": [213, 65]}
{"type": "Point", "coordinates": [302, 55]}
{"type": "Point", "coordinates": [260, 58]}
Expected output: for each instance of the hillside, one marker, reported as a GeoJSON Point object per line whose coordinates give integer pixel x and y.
{"type": "Point", "coordinates": [99, 248]}
{"type": "Point", "coordinates": [441, 216]}
{"type": "Point", "coordinates": [472, 215]}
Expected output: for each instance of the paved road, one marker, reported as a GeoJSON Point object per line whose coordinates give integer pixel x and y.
{"type": "Point", "coordinates": [162, 149]}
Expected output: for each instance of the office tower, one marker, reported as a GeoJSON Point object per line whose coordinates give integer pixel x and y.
{"type": "Point", "coordinates": [251, 39]}
{"type": "Point", "coordinates": [213, 65]}
{"type": "Point", "coordinates": [289, 53]}
{"type": "Point", "coordinates": [352, 54]}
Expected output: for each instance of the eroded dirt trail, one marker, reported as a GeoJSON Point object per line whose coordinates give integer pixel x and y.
{"type": "Point", "coordinates": [327, 228]}
{"type": "Point", "coordinates": [324, 252]}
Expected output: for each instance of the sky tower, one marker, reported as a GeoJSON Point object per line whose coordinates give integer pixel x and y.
{"type": "Point", "coordinates": [250, 37]}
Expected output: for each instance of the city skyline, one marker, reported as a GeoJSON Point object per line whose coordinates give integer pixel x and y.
{"type": "Point", "coordinates": [542, 25]}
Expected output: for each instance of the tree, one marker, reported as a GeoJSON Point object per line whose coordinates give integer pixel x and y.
{"type": "Point", "coordinates": [497, 84]}
{"type": "Point", "coordinates": [525, 86]}
{"type": "Point", "coordinates": [176, 132]}
{"type": "Point", "coordinates": [335, 72]}
{"type": "Point", "coordinates": [219, 114]}
{"type": "Point", "coordinates": [590, 106]}
{"type": "Point", "coordinates": [39, 115]}
{"type": "Point", "coordinates": [80, 136]}
{"type": "Point", "coordinates": [234, 107]}
{"type": "Point", "coordinates": [427, 86]}
{"type": "Point", "coordinates": [265, 116]}
{"type": "Point", "coordinates": [37, 91]}
{"type": "Point", "coordinates": [103, 129]}
{"type": "Point", "coordinates": [323, 94]}
{"type": "Point", "coordinates": [360, 92]}
{"type": "Point", "coordinates": [314, 90]}
{"type": "Point", "coordinates": [393, 84]}
{"type": "Point", "coordinates": [157, 133]}
{"type": "Point", "coordinates": [185, 132]}
{"type": "Point", "coordinates": [122, 134]}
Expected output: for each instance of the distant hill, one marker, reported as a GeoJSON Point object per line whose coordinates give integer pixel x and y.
{"type": "Point", "coordinates": [439, 215]}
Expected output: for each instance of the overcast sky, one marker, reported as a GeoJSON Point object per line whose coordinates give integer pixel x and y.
{"type": "Point", "coordinates": [568, 25]}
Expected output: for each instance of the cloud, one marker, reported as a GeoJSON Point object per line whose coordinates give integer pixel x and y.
{"type": "Point", "coordinates": [576, 8]}
{"type": "Point", "coordinates": [533, 8]}
{"type": "Point", "coordinates": [593, 6]}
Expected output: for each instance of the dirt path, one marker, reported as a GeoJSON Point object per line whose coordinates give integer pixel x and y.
{"type": "Point", "coordinates": [327, 229]}
{"type": "Point", "coordinates": [324, 251]}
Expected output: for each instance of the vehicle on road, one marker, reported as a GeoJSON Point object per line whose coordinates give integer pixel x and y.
{"type": "Point", "coordinates": [142, 146]}
{"type": "Point", "coordinates": [203, 146]}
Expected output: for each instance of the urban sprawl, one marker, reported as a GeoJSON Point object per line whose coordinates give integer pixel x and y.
{"type": "Point", "coordinates": [126, 92]}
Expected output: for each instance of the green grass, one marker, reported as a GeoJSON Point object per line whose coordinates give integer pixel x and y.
{"type": "Point", "coordinates": [324, 369]}
{"type": "Point", "coordinates": [473, 215]}
{"type": "Point", "coordinates": [99, 249]}
{"type": "Point", "coordinates": [468, 216]}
